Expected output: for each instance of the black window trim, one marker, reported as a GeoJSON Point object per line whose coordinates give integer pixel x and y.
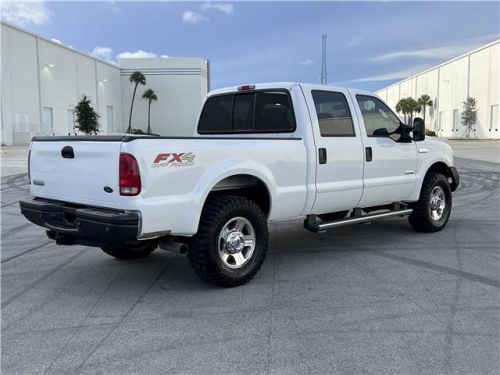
{"type": "Point", "coordinates": [389, 108]}
{"type": "Point", "coordinates": [232, 111]}
{"type": "Point", "coordinates": [233, 95]}
{"type": "Point", "coordinates": [350, 114]}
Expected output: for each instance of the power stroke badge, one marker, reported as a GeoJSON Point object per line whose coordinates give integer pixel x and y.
{"type": "Point", "coordinates": [172, 159]}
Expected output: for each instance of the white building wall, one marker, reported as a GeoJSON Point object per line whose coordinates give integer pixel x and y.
{"type": "Point", "coordinates": [41, 77]}
{"type": "Point", "coordinates": [484, 87]}
{"type": "Point", "coordinates": [20, 98]}
{"type": "Point", "coordinates": [181, 84]}
{"type": "Point", "coordinates": [65, 77]}
{"type": "Point", "coordinates": [452, 92]}
{"type": "Point", "coordinates": [476, 74]}
{"type": "Point", "coordinates": [427, 84]}
{"type": "Point", "coordinates": [109, 90]}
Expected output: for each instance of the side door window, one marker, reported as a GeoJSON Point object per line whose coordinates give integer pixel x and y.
{"type": "Point", "coordinates": [378, 118]}
{"type": "Point", "coordinates": [334, 116]}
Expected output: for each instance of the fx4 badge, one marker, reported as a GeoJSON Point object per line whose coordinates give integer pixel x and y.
{"type": "Point", "coordinates": [181, 159]}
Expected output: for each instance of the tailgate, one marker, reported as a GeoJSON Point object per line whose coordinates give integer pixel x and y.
{"type": "Point", "coordinates": [78, 174]}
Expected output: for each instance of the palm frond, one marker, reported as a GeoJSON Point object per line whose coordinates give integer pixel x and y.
{"type": "Point", "coordinates": [137, 78]}
{"type": "Point", "coordinates": [150, 95]}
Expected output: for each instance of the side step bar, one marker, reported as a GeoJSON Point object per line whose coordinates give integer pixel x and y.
{"type": "Point", "coordinates": [311, 222]}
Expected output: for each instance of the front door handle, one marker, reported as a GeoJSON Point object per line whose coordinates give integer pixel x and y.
{"type": "Point", "coordinates": [368, 153]}
{"type": "Point", "coordinates": [322, 155]}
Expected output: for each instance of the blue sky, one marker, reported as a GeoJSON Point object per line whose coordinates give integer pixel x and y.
{"type": "Point", "coordinates": [370, 44]}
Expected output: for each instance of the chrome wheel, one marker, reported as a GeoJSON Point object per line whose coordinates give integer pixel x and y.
{"type": "Point", "coordinates": [236, 242]}
{"type": "Point", "coordinates": [437, 203]}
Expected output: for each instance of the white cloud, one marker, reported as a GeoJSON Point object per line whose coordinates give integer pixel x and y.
{"type": "Point", "coordinates": [400, 74]}
{"type": "Point", "coordinates": [106, 54]}
{"type": "Point", "coordinates": [164, 56]}
{"type": "Point", "coordinates": [139, 54]}
{"type": "Point", "coordinates": [193, 17]}
{"type": "Point", "coordinates": [56, 40]}
{"type": "Point", "coordinates": [103, 53]}
{"type": "Point", "coordinates": [306, 62]}
{"type": "Point", "coordinates": [227, 8]}
{"type": "Point", "coordinates": [444, 52]}
{"type": "Point", "coordinates": [25, 13]}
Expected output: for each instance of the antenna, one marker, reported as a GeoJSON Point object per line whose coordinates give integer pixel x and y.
{"type": "Point", "coordinates": [324, 74]}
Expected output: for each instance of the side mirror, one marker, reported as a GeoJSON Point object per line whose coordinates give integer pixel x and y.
{"type": "Point", "coordinates": [418, 129]}
{"type": "Point", "coordinates": [382, 132]}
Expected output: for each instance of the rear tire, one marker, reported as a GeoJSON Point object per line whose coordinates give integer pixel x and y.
{"type": "Point", "coordinates": [231, 242]}
{"type": "Point", "coordinates": [131, 250]}
{"type": "Point", "coordinates": [432, 211]}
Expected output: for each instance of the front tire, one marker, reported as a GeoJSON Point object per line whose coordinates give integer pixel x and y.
{"type": "Point", "coordinates": [130, 250]}
{"type": "Point", "coordinates": [432, 211]}
{"type": "Point", "coordinates": [231, 242]}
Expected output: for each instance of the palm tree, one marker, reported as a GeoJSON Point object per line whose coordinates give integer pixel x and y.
{"type": "Point", "coordinates": [401, 107]}
{"type": "Point", "coordinates": [424, 101]}
{"type": "Point", "coordinates": [149, 95]}
{"type": "Point", "coordinates": [413, 107]}
{"type": "Point", "coordinates": [139, 79]}
{"type": "Point", "coordinates": [408, 106]}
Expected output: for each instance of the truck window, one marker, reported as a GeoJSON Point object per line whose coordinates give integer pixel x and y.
{"type": "Point", "coordinates": [273, 112]}
{"type": "Point", "coordinates": [253, 112]}
{"type": "Point", "coordinates": [334, 116]}
{"type": "Point", "coordinates": [379, 120]}
{"type": "Point", "coordinates": [243, 112]}
{"type": "Point", "coordinates": [217, 115]}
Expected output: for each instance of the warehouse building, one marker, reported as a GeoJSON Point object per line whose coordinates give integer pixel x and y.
{"type": "Point", "coordinates": [474, 74]}
{"type": "Point", "coordinates": [43, 80]}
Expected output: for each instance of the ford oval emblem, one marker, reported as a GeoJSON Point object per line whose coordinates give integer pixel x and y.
{"type": "Point", "coordinates": [107, 189]}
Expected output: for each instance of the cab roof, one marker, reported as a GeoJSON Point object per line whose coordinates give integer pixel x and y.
{"type": "Point", "coordinates": [283, 85]}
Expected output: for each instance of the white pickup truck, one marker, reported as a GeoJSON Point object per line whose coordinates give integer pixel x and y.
{"type": "Point", "coordinates": [260, 153]}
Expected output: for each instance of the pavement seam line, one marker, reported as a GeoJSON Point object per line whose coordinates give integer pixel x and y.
{"type": "Point", "coordinates": [435, 267]}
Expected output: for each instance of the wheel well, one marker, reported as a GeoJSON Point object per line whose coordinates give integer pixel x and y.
{"type": "Point", "coordinates": [246, 186]}
{"type": "Point", "coordinates": [442, 168]}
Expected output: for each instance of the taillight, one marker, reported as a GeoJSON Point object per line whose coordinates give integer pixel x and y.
{"type": "Point", "coordinates": [130, 177]}
{"type": "Point", "coordinates": [29, 167]}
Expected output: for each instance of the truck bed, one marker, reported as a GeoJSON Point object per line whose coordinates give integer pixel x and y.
{"type": "Point", "coordinates": [177, 173]}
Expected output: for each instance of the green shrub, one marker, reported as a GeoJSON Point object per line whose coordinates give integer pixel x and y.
{"type": "Point", "coordinates": [430, 133]}
{"type": "Point", "coordinates": [87, 120]}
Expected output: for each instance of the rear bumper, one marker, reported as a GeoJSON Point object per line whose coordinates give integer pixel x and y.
{"type": "Point", "coordinates": [70, 225]}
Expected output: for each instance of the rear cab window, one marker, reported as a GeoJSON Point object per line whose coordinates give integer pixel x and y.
{"type": "Point", "coordinates": [262, 111]}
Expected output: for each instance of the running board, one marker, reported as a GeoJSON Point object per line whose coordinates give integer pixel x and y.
{"type": "Point", "coordinates": [311, 222]}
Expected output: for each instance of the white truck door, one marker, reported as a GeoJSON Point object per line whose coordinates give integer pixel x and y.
{"type": "Point", "coordinates": [339, 171]}
{"type": "Point", "coordinates": [390, 163]}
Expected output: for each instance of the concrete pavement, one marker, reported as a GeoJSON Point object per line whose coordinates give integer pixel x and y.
{"type": "Point", "coordinates": [14, 160]}
{"type": "Point", "coordinates": [375, 298]}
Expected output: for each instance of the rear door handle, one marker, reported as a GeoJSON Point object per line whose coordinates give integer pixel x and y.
{"type": "Point", "coordinates": [322, 155]}
{"type": "Point", "coordinates": [368, 153]}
